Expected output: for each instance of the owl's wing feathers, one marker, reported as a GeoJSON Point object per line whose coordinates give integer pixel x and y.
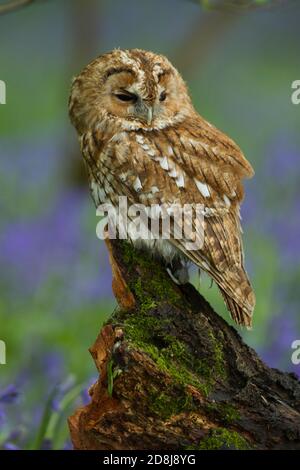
{"type": "Point", "coordinates": [195, 163]}
{"type": "Point", "coordinates": [222, 166]}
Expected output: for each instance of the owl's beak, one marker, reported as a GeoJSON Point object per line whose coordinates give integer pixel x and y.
{"type": "Point", "coordinates": [149, 116]}
{"type": "Point", "coordinates": [144, 111]}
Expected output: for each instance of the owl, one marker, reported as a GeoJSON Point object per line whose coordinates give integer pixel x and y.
{"type": "Point", "coordinates": [141, 138]}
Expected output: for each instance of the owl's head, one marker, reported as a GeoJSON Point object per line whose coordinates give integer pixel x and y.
{"type": "Point", "coordinates": [138, 89]}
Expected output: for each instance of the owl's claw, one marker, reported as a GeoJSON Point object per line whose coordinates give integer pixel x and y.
{"type": "Point", "coordinates": [180, 276]}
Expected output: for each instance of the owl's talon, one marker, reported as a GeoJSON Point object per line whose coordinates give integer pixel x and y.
{"type": "Point", "coordinates": [180, 276]}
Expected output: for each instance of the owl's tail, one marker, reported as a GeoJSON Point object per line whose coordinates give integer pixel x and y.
{"type": "Point", "coordinates": [241, 310]}
{"type": "Point", "coordinates": [234, 286]}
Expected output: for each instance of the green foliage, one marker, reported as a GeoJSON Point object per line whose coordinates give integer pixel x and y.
{"type": "Point", "coordinates": [32, 330]}
{"type": "Point", "coordinates": [110, 378]}
{"type": "Point", "coordinates": [52, 425]}
{"type": "Point", "coordinates": [112, 373]}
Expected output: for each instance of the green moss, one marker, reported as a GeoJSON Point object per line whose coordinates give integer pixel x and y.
{"type": "Point", "coordinates": [134, 257]}
{"type": "Point", "coordinates": [224, 412]}
{"type": "Point", "coordinates": [156, 283]}
{"type": "Point", "coordinates": [222, 438]}
{"type": "Point", "coordinates": [219, 361]}
{"type": "Point", "coordinates": [147, 331]}
{"type": "Point", "coordinates": [172, 356]}
{"type": "Point", "coordinates": [145, 302]}
{"type": "Point", "coordinates": [166, 404]}
{"type": "Point", "coordinates": [229, 413]}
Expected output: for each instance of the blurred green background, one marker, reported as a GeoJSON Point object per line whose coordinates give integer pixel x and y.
{"type": "Point", "coordinates": [55, 279]}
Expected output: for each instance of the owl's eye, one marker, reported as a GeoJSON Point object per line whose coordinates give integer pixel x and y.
{"type": "Point", "coordinates": [163, 96]}
{"type": "Point", "coordinates": [126, 97]}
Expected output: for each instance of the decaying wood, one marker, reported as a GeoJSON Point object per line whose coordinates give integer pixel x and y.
{"type": "Point", "coordinates": [174, 375]}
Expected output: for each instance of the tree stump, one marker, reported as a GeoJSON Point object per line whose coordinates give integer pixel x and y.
{"type": "Point", "coordinates": [173, 375]}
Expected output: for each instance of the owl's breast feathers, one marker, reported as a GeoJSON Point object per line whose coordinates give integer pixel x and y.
{"type": "Point", "coordinates": [189, 163]}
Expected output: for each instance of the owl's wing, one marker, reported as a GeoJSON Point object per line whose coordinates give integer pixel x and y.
{"type": "Point", "coordinates": [213, 167]}
{"type": "Point", "coordinates": [193, 163]}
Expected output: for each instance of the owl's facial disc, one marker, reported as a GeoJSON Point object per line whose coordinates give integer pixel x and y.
{"type": "Point", "coordinates": [127, 96]}
{"type": "Point", "coordinates": [137, 89]}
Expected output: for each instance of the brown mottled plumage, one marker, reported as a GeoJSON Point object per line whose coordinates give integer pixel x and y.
{"type": "Point", "coordinates": [141, 138]}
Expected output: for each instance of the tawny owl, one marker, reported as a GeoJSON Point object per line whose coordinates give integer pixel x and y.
{"type": "Point", "coordinates": [141, 137]}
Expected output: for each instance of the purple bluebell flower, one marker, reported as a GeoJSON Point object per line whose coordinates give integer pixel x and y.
{"type": "Point", "coordinates": [10, 446]}
{"type": "Point", "coordinates": [286, 231]}
{"type": "Point", "coordinates": [53, 364]}
{"type": "Point", "coordinates": [2, 417]}
{"type": "Point", "coordinates": [9, 395]}
{"type": "Point", "coordinates": [282, 332]}
{"type": "Point", "coordinates": [68, 445]}
{"type": "Point", "coordinates": [54, 246]}
{"type": "Point", "coordinates": [46, 444]}
{"type": "Point", "coordinates": [282, 159]}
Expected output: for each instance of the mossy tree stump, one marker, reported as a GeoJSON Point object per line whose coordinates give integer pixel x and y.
{"type": "Point", "coordinates": [174, 375]}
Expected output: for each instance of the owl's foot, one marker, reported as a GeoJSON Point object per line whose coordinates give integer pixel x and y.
{"type": "Point", "coordinates": [179, 275]}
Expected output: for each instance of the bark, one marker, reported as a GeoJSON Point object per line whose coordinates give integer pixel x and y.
{"type": "Point", "coordinates": [174, 375]}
